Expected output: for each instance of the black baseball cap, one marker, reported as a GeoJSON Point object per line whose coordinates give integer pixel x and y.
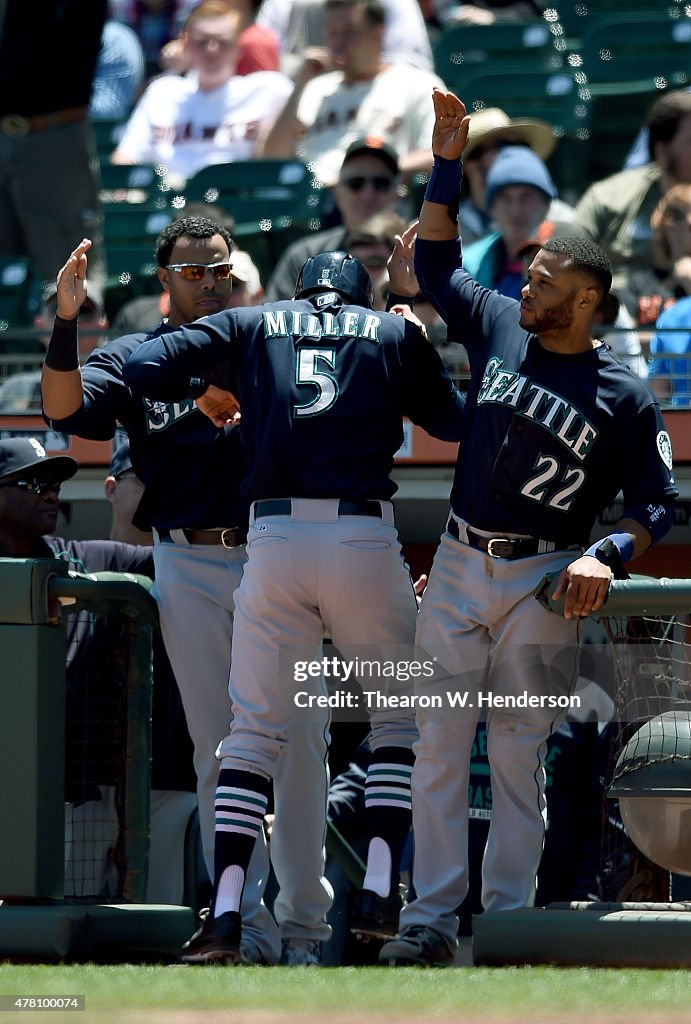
{"type": "Point", "coordinates": [377, 147]}
{"type": "Point", "coordinates": [18, 454]}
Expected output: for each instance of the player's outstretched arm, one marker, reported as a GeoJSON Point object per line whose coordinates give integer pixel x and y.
{"type": "Point", "coordinates": [448, 142]}
{"type": "Point", "coordinates": [61, 380]}
{"type": "Point", "coordinates": [182, 364]}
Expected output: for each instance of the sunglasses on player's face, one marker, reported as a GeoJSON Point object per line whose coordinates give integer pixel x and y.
{"type": "Point", "coordinates": [198, 271]}
{"type": "Point", "coordinates": [35, 486]}
{"type": "Point", "coordinates": [380, 183]}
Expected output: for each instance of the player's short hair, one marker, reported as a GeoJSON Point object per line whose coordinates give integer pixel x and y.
{"type": "Point", "coordinates": [192, 227]}
{"type": "Point", "coordinates": [665, 116]}
{"type": "Point", "coordinates": [374, 9]}
{"type": "Point", "coordinates": [585, 257]}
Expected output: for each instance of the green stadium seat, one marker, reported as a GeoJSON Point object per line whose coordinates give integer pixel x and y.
{"type": "Point", "coordinates": [273, 202]}
{"type": "Point", "coordinates": [611, 39]}
{"type": "Point", "coordinates": [576, 17]}
{"type": "Point", "coordinates": [548, 96]}
{"type": "Point", "coordinates": [618, 94]}
{"type": "Point", "coordinates": [107, 134]}
{"type": "Point", "coordinates": [137, 185]}
{"type": "Point", "coordinates": [259, 194]}
{"type": "Point", "coordinates": [466, 49]}
{"type": "Point", "coordinates": [20, 292]}
{"type": "Point", "coordinates": [128, 225]}
{"type": "Point", "coordinates": [131, 273]}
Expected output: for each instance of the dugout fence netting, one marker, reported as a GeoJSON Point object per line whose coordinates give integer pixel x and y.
{"type": "Point", "coordinates": [108, 696]}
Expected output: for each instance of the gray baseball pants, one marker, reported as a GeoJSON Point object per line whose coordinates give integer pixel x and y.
{"type": "Point", "coordinates": [479, 619]}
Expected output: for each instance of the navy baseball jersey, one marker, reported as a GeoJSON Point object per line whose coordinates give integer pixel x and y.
{"type": "Point", "coordinates": [306, 432]}
{"type": "Point", "coordinates": [550, 439]}
{"type": "Point", "coordinates": [191, 470]}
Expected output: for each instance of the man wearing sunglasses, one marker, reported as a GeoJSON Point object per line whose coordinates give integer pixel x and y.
{"type": "Point", "coordinates": [368, 183]}
{"type": "Point", "coordinates": [191, 472]}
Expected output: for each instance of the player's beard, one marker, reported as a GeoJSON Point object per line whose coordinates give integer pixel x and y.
{"type": "Point", "coordinates": [555, 318]}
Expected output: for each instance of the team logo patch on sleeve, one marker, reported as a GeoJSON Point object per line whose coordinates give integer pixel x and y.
{"type": "Point", "coordinates": [664, 447]}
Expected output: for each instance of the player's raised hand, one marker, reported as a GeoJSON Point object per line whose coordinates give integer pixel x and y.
{"type": "Point", "coordinates": [584, 584]}
{"type": "Point", "coordinates": [451, 125]}
{"type": "Point", "coordinates": [222, 407]}
{"type": "Point", "coordinates": [402, 279]}
{"type": "Point", "coordinates": [71, 287]}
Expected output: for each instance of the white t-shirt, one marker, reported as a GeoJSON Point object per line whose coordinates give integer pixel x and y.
{"type": "Point", "coordinates": [300, 23]}
{"type": "Point", "coordinates": [396, 106]}
{"type": "Point", "coordinates": [177, 125]}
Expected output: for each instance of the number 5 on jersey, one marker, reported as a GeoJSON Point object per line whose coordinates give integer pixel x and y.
{"type": "Point", "coordinates": [310, 370]}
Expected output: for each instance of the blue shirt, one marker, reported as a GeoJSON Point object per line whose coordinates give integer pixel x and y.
{"type": "Point", "coordinates": [676, 371]}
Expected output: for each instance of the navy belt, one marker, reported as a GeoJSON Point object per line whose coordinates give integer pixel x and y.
{"type": "Point", "coordinates": [503, 547]}
{"type": "Point", "coordinates": [284, 507]}
{"type": "Point", "coordinates": [231, 537]}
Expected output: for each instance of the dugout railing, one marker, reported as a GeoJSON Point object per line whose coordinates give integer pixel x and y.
{"type": "Point", "coordinates": [645, 637]}
{"type": "Point", "coordinates": [75, 732]}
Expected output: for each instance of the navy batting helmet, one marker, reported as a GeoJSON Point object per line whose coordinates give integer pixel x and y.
{"type": "Point", "coordinates": [335, 272]}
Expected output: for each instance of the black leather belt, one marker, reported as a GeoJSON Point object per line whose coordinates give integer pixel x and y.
{"type": "Point", "coordinates": [284, 507]}
{"type": "Point", "coordinates": [503, 547]}
{"type": "Point", "coordinates": [231, 537]}
{"type": "Point", "coordinates": [18, 126]}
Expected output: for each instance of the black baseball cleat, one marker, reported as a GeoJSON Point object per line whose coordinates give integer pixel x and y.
{"type": "Point", "coordinates": [217, 941]}
{"type": "Point", "coordinates": [417, 946]}
{"type": "Point", "coordinates": [375, 917]}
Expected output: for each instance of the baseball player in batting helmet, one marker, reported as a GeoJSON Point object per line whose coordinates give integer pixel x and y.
{"type": "Point", "coordinates": [323, 382]}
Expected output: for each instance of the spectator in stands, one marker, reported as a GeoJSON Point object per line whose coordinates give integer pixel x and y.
{"type": "Point", "coordinates": [299, 25]}
{"type": "Point", "coordinates": [372, 243]}
{"type": "Point", "coordinates": [48, 180]}
{"type": "Point", "coordinates": [671, 223]}
{"type": "Point", "coordinates": [368, 183]}
{"type": "Point", "coordinates": [616, 212]}
{"type": "Point", "coordinates": [210, 116]}
{"type": "Point", "coordinates": [119, 73]}
{"type": "Point", "coordinates": [155, 22]}
{"type": "Point", "coordinates": [352, 92]}
{"type": "Point", "coordinates": [667, 278]}
{"type": "Point", "coordinates": [519, 192]}
{"type": "Point", "coordinates": [638, 153]}
{"type": "Point", "coordinates": [258, 48]}
{"type": "Point", "coordinates": [490, 130]}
